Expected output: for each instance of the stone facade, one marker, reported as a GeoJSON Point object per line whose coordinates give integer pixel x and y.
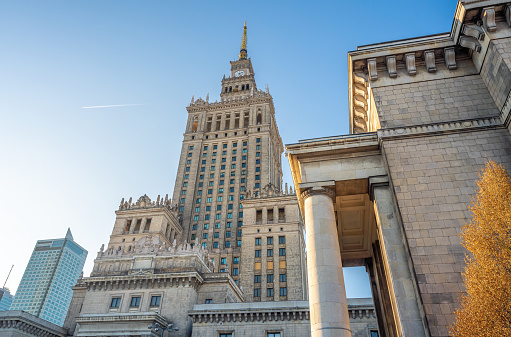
{"type": "Point", "coordinates": [273, 254]}
{"type": "Point", "coordinates": [426, 114]}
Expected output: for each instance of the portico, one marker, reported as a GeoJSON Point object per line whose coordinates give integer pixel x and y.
{"type": "Point", "coordinates": [351, 219]}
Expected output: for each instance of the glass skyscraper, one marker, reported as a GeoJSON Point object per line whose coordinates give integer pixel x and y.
{"type": "Point", "coordinates": [45, 289]}
{"type": "Point", "coordinates": [5, 299]}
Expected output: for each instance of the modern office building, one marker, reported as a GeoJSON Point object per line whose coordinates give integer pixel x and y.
{"type": "Point", "coordinates": [6, 299]}
{"type": "Point", "coordinates": [45, 289]}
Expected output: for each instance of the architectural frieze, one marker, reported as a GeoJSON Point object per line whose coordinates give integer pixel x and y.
{"type": "Point", "coordinates": [250, 316]}
{"type": "Point", "coordinates": [140, 281]}
{"type": "Point", "coordinates": [439, 128]}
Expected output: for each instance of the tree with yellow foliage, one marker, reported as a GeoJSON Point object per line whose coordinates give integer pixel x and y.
{"type": "Point", "coordinates": [486, 306]}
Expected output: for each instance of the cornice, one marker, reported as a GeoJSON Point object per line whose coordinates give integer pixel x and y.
{"type": "Point", "coordinates": [432, 129]}
{"type": "Point", "coordinates": [111, 318]}
{"type": "Point", "coordinates": [260, 315]}
{"type": "Point", "coordinates": [167, 280]}
{"type": "Point", "coordinates": [29, 327]}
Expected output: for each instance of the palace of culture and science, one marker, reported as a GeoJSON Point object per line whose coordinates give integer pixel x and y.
{"type": "Point", "coordinates": [226, 255]}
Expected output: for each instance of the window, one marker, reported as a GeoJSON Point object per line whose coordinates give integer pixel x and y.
{"type": "Point", "coordinates": [188, 162]}
{"type": "Point", "coordinates": [215, 147]}
{"type": "Point", "coordinates": [244, 150]}
{"type": "Point", "coordinates": [198, 200]}
{"type": "Point", "coordinates": [197, 209]}
{"type": "Point", "coordinates": [218, 207]}
{"type": "Point", "coordinates": [187, 169]}
{"type": "Point", "coordinates": [181, 208]}
{"type": "Point", "coordinates": [231, 197]}
{"type": "Point", "coordinates": [204, 245]}
{"type": "Point", "coordinates": [234, 151]}
{"type": "Point", "coordinates": [240, 214]}
{"type": "Point", "coordinates": [205, 148]}
{"type": "Point", "coordinates": [194, 227]}
{"type": "Point", "coordinates": [227, 244]}
{"type": "Point", "coordinates": [206, 226]}
{"type": "Point", "coordinates": [258, 241]}
{"type": "Point", "coordinates": [258, 161]}
{"type": "Point", "coordinates": [258, 169]}
{"type": "Point", "coordinates": [217, 225]}
{"type": "Point", "coordinates": [244, 143]}
{"type": "Point", "coordinates": [193, 235]}
{"type": "Point", "coordinates": [257, 177]}
{"type": "Point", "coordinates": [215, 244]}
{"type": "Point", "coordinates": [199, 192]}
{"type": "Point", "coordinates": [283, 277]}
{"type": "Point", "coordinates": [269, 292]}
{"type": "Point", "coordinates": [224, 160]}
{"type": "Point", "coordinates": [208, 208]}
{"type": "Point", "coordinates": [223, 260]}
{"type": "Point", "coordinates": [208, 200]}
{"type": "Point", "coordinates": [183, 192]}
{"type": "Point", "coordinates": [258, 154]}
{"type": "Point", "coordinates": [258, 253]}
{"type": "Point", "coordinates": [204, 155]}
{"type": "Point", "coordinates": [211, 183]}
{"type": "Point", "coordinates": [235, 271]}
{"type": "Point", "coordinates": [282, 251]}
{"type": "Point", "coordinates": [231, 181]}
{"type": "Point", "coordinates": [206, 217]}
{"type": "Point", "coordinates": [190, 148]}
{"type": "Point", "coordinates": [282, 239]}
{"type": "Point", "coordinates": [202, 169]}
{"type": "Point", "coordinates": [233, 166]}
{"type": "Point", "coordinates": [238, 244]}
{"type": "Point", "coordinates": [243, 180]}
{"type": "Point", "coordinates": [239, 232]}
{"type": "Point", "coordinates": [269, 252]}
{"type": "Point", "coordinates": [214, 154]}
{"type": "Point", "coordinates": [182, 200]}
{"type": "Point", "coordinates": [257, 278]}
{"type": "Point", "coordinates": [236, 260]}
{"type": "Point", "coordinates": [209, 301]}
{"type": "Point", "coordinates": [229, 224]}
{"type": "Point", "coordinates": [234, 144]}
{"type": "Point", "coordinates": [374, 333]}
{"type": "Point", "coordinates": [258, 140]}
{"type": "Point", "coordinates": [283, 291]}
{"type": "Point", "coordinates": [195, 218]}
{"type": "Point", "coordinates": [258, 147]}
{"type": "Point", "coordinates": [269, 278]}
{"type": "Point", "coordinates": [205, 235]}
{"type": "Point", "coordinates": [210, 191]}
{"type": "Point", "coordinates": [155, 300]}
{"type": "Point", "coordinates": [273, 334]}
{"type": "Point", "coordinates": [217, 235]}
{"type": "Point", "coordinates": [187, 176]}
{"type": "Point", "coordinates": [229, 215]}
{"type": "Point", "coordinates": [230, 206]}
{"type": "Point", "coordinates": [257, 292]}
{"type": "Point", "coordinates": [257, 185]}
{"type": "Point", "coordinates": [233, 159]}
{"type": "Point", "coordinates": [220, 190]}
{"type": "Point", "coordinates": [218, 216]}
{"type": "Point", "coordinates": [228, 234]}
{"type": "Point", "coordinates": [269, 240]}
{"type": "Point", "coordinates": [116, 302]}
{"type": "Point", "coordinates": [201, 184]}
{"type": "Point", "coordinates": [135, 301]}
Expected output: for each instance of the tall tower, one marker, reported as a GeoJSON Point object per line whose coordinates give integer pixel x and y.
{"type": "Point", "coordinates": [45, 290]}
{"type": "Point", "coordinates": [230, 149]}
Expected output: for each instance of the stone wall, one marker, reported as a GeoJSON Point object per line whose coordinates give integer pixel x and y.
{"type": "Point", "coordinates": [496, 70]}
{"type": "Point", "coordinates": [434, 101]}
{"type": "Point", "coordinates": [434, 181]}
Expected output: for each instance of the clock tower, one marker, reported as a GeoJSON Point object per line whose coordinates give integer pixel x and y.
{"type": "Point", "coordinates": [241, 83]}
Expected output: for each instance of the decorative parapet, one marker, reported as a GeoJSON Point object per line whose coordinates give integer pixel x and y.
{"type": "Point", "coordinates": [29, 325]}
{"type": "Point", "coordinates": [437, 128]}
{"type": "Point", "coordinates": [145, 281]}
{"type": "Point", "coordinates": [145, 202]}
{"type": "Point", "coordinates": [133, 324]}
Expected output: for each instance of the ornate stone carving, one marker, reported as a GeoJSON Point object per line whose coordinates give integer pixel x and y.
{"type": "Point", "coordinates": [470, 42]}
{"type": "Point", "coordinates": [391, 66]}
{"type": "Point", "coordinates": [360, 105]}
{"type": "Point", "coordinates": [371, 67]}
{"type": "Point", "coordinates": [488, 15]}
{"type": "Point", "coordinates": [474, 31]}
{"type": "Point", "coordinates": [429, 58]}
{"type": "Point", "coordinates": [410, 64]}
{"type": "Point", "coordinates": [450, 58]}
{"type": "Point", "coordinates": [311, 191]}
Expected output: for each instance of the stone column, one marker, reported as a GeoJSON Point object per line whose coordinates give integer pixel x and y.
{"type": "Point", "coordinates": [327, 294]}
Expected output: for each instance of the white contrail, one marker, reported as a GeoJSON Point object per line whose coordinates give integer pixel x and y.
{"type": "Point", "coordinates": [108, 106]}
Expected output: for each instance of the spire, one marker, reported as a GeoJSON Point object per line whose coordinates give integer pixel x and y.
{"type": "Point", "coordinates": [69, 236]}
{"type": "Point", "coordinates": [243, 51]}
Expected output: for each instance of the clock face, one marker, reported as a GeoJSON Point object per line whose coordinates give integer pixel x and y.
{"type": "Point", "coordinates": [239, 73]}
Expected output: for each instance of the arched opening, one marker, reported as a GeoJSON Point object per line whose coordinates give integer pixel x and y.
{"type": "Point", "coordinates": [259, 117]}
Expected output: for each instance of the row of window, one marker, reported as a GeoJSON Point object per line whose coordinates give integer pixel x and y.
{"type": "Point", "coordinates": [227, 244]}
{"type": "Point", "coordinates": [218, 216]}
{"type": "Point", "coordinates": [268, 334]}
{"type": "Point", "coordinates": [270, 291]}
{"type": "Point", "coordinates": [269, 252]}
{"type": "Point", "coordinates": [269, 240]}
{"type": "Point", "coordinates": [135, 301]}
{"type": "Point", "coordinates": [224, 145]}
{"type": "Point", "coordinates": [217, 226]}
{"type": "Point", "coordinates": [269, 278]}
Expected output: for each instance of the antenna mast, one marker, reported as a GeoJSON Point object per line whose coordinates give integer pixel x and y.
{"type": "Point", "coordinates": [8, 277]}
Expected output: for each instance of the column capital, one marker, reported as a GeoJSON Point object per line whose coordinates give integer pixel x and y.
{"type": "Point", "coordinates": [316, 190]}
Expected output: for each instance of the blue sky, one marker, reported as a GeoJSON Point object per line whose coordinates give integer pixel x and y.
{"type": "Point", "coordinates": [64, 166]}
